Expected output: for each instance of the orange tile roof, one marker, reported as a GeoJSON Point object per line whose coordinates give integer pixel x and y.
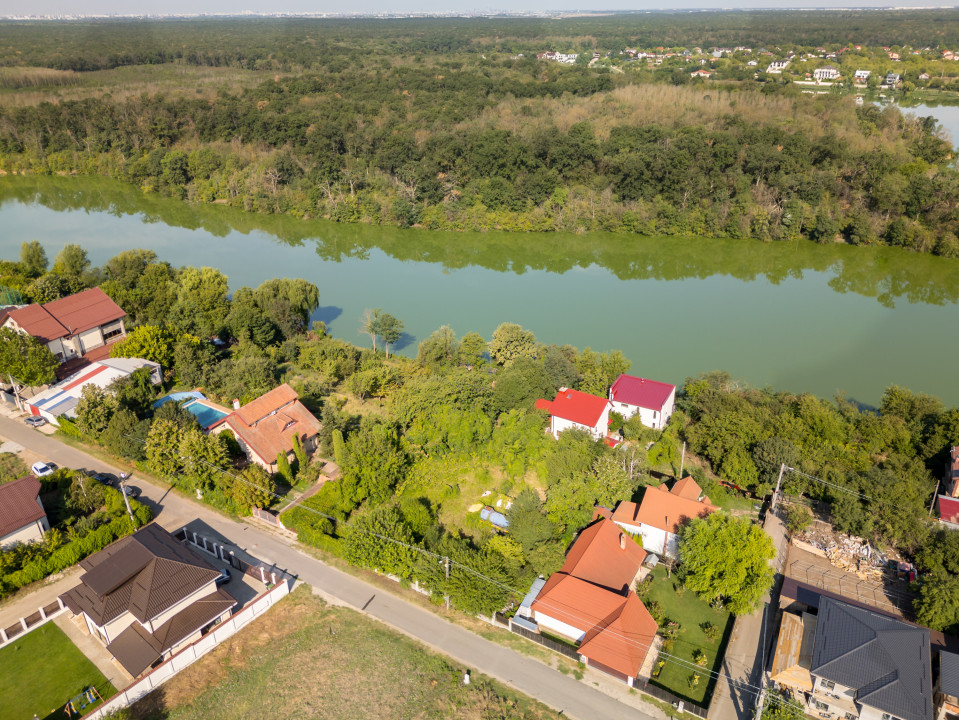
{"type": "Point", "coordinates": [623, 639]}
{"type": "Point", "coordinates": [687, 488]}
{"type": "Point", "coordinates": [269, 423]}
{"type": "Point", "coordinates": [605, 556]}
{"type": "Point", "coordinates": [575, 602]}
{"type": "Point", "coordinates": [663, 510]}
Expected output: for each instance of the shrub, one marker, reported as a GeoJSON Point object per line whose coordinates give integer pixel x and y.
{"type": "Point", "coordinates": [798, 518]}
{"type": "Point", "coordinates": [710, 631]}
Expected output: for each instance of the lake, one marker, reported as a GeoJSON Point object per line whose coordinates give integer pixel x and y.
{"type": "Point", "coordinates": [794, 316]}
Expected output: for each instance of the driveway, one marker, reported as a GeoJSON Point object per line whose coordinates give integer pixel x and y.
{"type": "Point", "coordinates": [602, 698]}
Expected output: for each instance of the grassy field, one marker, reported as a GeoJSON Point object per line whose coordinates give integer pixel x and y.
{"type": "Point", "coordinates": [41, 672]}
{"type": "Point", "coordinates": [307, 659]}
{"type": "Point", "coordinates": [686, 608]}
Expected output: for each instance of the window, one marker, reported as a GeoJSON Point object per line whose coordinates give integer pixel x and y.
{"type": "Point", "coordinates": [827, 684]}
{"type": "Point", "coordinates": [819, 705]}
{"type": "Point", "coordinates": [887, 716]}
{"type": "Point", "coordinates": [112, 333]}
{"type": "Point", "coordinates": [850, 716]}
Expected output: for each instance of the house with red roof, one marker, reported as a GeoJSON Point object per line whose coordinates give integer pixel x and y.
{"type": "Point", "coordinates": [265, 427]}
{"type": "Point", "coordinates": [590, 601]}
{"type": "Point", "coordinates": [22, 517]}
{"type": "Point", "coordinates": [660, 514]}
{"type": "Point", "coordinates": [653, 401]}
{"type": "Point", "coordinates": [75, 328]}
{"type": "Point", "coordinates": [575, 410]}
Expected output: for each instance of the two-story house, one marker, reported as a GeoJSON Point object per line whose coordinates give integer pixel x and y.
{"type": "Point", "coordinates": [22, 517]}
{"type": "Point", "coordinates": [653, 401]}
{"type": "Point", "coordinates": [75, 327]}
{"type": "Point", "coordinates": [146, 596]}
{"type": "Point", "coordinates": [850, 663]}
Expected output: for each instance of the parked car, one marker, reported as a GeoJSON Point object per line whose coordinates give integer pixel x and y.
{"type": "Point", "coordinates": [35, 421]}
{"type": "Point", "coordinates": [131, 491]}
{"type": "Point", "coordinates": [41, 469]}
{"type": "Point", "coordinates": [101, 478]}
{"type": "Point", "coordinates": [224, 577]}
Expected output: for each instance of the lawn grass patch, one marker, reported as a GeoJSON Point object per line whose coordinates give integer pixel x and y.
{"type": "Point", "coordinates": [305, 658]}
{"type": "Point", "coordinates": [691, 612]}
{"type": "Point", "coordinates": [42, 671]}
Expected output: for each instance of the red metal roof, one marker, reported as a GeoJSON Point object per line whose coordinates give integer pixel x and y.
{"type": "Point", "coordinates": [948, 509]}
{"type": "Point", "coordinates": [622, 640]}
{"type": "Point", "coordinates": [18, 504]}
{"type": "Point", "coordinates": [640, 392]}
{"type": "Point", "coordinates": [576, 406]}
{"type": "Point", "coordinates": [604, 555]}
{"type": "Point", "coordinates": [67, 316]}
{"type": "Point", "coordinates": [663, 509]}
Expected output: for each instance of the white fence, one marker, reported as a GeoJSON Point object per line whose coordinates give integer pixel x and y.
{"type": "Point", "coordinates": [43, 614]}
{"type": "Point", "coordinates": [190, 654]}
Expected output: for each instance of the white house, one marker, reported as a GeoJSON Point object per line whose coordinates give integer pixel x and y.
{"type": "Point", "coordinates": [572, 409]}
{"type": "Point", "coordinates": [653, 401]}
{"type": "Point", "coordinates": [826, 73]}
{"type": "Point", "coordinates": [62, 398]}
{"type": "Point", "coordinates": [862, 76]}
{"type": "Point", "coordinates": [22, 517]}
{"type": "Point", "coordinates": [777, 66]}
{"type": "Point", "coordinates": [661, 513]}
{"type": "Point", "coordinates": [146, 596]}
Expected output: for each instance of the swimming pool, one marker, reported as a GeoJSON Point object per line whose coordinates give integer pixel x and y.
{"type": "Point", "coordinates": [205, 414]}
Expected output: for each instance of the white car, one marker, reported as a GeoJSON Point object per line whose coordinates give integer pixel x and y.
{"type": "Point", "coordinates": [41, 468]}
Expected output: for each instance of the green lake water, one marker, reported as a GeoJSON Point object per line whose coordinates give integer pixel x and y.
{"type": "Point", "coordinates": [794, 316]}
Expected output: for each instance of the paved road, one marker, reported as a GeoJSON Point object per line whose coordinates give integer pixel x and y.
{"type": "Point", "coordinates": [572, 697]}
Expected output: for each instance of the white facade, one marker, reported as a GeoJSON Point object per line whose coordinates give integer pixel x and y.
{"type": "Point", "coordinates": [27, 534]}
{"type": "Point", "coordinates": [650, 417]}
{"type": "Point", "coordinates": [598, 431]}
{"type": "Point", "coordinates": [559, 627]}
{"type": "Point", "coordinates": [826, 73]}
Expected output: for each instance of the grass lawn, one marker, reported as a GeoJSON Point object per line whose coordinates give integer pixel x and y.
{"type": "Point", "coordinates": [687, 609]}
{"type": "Point", "coordinates": [306, 659]}
{"type": "Point", "coordinates": [41, 672]}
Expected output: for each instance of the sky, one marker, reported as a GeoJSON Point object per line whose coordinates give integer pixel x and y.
{"type": "Point", "coordinates": [173, 7]}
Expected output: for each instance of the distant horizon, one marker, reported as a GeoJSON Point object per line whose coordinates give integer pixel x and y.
{"type": "Point", "coordinates": [173, 9]}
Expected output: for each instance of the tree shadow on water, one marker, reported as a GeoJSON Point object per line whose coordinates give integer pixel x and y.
{"type": "Point", "coordinates": [404, 342]}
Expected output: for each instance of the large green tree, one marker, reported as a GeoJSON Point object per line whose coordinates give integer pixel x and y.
{"type": "Point", "coordinates": [510, 342]}
{"type": "Point", "coordinates": [727, 559]}
{"type": "Point", "coordinates": [33, 258]}
{"type": "Point", "coordinates": [26, 360]}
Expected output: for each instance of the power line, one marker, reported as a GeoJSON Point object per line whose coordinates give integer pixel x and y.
{"type": "Point", "coordinates": [849, 491]}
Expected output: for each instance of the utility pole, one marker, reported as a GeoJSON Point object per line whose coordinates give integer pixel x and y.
{"type": "Point", "coordinates": [126, 500]}
{"type": "Point", "coordinates": [772, 504]}
{"type": "Point", "coordinates": [446, 561]}
{"type": "Point", "coordinates": [682, 460]}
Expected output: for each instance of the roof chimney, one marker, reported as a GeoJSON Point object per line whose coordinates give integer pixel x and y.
{"type": "Point", "coordinates": [236, 403]}
{"type": "Point", "coordinates": [622, 541]}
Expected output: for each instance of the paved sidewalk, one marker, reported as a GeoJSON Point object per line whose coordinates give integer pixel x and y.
{"type": "Point", "coordinates": [26, 602]}
{"type": "Point", "coordinates": [594, 698]}
{"type": "Point", "coordinates": [94, 650]}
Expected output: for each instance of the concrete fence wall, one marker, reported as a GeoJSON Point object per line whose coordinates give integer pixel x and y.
{"type": "Point", "coordinates": [30, 622]}
{"type": "Point", "coordinates": [190, 654]}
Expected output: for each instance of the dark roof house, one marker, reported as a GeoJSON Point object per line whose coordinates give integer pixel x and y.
{"type": "Point", "coordinates": [145, 594]}
{"type": "Point", "coordinates": [22, 517]}
{"type": "Point", "coordinates": [885, 661]}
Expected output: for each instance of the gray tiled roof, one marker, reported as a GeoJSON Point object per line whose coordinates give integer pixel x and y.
{"type": "Point", "coordinates": [886, 661]}
{"type": "Point", "coordinates": [949, 673]}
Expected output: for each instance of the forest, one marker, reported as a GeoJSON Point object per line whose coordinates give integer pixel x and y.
{"type": "Point", "coordinates": [456, 125]}
{"type": "Point", "coordinates": [419, 440]}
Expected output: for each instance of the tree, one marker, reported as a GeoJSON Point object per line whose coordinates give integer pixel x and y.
{"type": "Point", "coordinates": [369, 324]}
{"type": "Point", "coordinates": [782, 707]}
{"type": "Point", "coordinates": [51, 286]}
{"type": "Point", "coordinates": [937, 606]}
{"type": "Point", "coordinates": [150, 343]}
{"type": "Point", "coordinates": [253, 488]}
{"type": "Point", "coordinates": [25, 360]}
{"type": "Point", "coordinates": [33, 258]}
{"type": "Point", "coordinates": [95, 410]}
{"type": "Point", "coordinates": [202, 306]}
{"type": "Point", "coordinates": [382, 540]}
{"type": "Point", "coordinates": [135, 392]}
{"type": "Point", "coordinates": [439, 349]}
{"type": "Point", "coordinates": [339, 448]}
{"type": "Point", "coordinates": [72, 261]}
{"type": "Point", "coordinates": [726, 558]}
{"type": "Point", "coordinates": [376, 462]}
{"type": "Point", "coordinates": [300, 452]}
{"type": "Point", "coordinates": [599, 371]}
{"type": "Point", "coordinates": [299, 297]}
{"type": "Point", "coordinates": [125, 435]}
{"type": "Point", "coordinates": [163, 448]}
{"type": "Point", "coordinates": [472, 350]}
{"type": "Point", "coordinates": [389, 328]}
{"type": "Point", "coordinates": [283, 469]}
{"type": "Point", "coordinates": [204, 458]}
{"type": "Point", "coordinates": [510, 341]}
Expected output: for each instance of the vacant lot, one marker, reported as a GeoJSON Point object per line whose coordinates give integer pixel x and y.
{"type": "Point", "coordinates": [691, 613]}
{"type": "Point", "coordinates": [41, 672]}
{"type": "Point", "coordinates": [307, 659]}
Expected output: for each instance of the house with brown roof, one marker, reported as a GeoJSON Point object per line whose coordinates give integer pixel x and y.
{"type": "Point", "coordinates": [22, 517]}
{"type": "Point", "coordinates": [265, 427]}
{"type": "Point", "coordinates": [146, 596]}
{"type": "Point", "coordinates": [590, 601]}
{"type": "Point", "coordinates": [75, 327]}
{"type": "Point", "coordinates": [661, 512]}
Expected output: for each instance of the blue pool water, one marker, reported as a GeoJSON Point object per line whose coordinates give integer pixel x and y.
{"type": "Point", "coordinates": [205, 414]}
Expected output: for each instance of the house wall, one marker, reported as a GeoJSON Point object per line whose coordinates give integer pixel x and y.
{"type": "Point", "coordinates": [558, 627]}
{"type": "Point", "coordinates": [27, 534]}
{"type": "Point", "coordinates": [251, 454]}
{"type": "Point", "coordinates": [90, 339]}
{"type": "Point", "coordinates": [654, 539]}
{"type": "Point", "coordinates": [116, 626]}
{"type": "Point", "coordinates": [656, 419]}
{"type": "Point", "coordinates": [870, 713]}
{"type": "Point", "coordinates": [558, 425]}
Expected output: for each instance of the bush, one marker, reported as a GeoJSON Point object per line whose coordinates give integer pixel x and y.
{"type": "Point", "coordinates": [798, 518]}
